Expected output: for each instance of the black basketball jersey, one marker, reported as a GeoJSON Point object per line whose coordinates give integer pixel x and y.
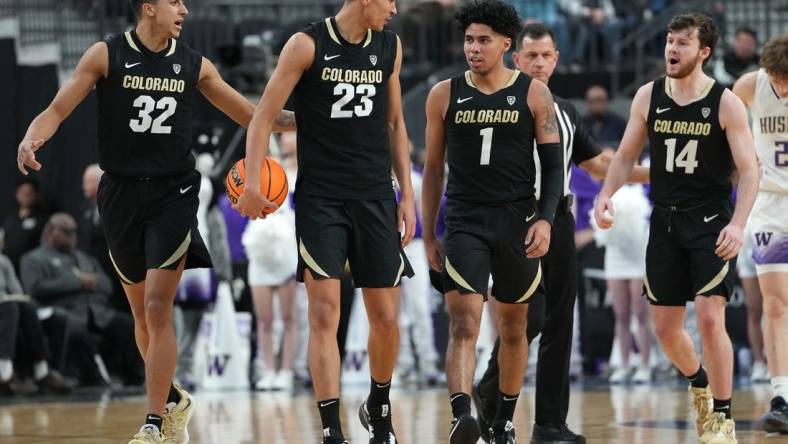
{"type": "Point", "coordinates": [341, 108]}
{"type": "Point", "coordinates": [691, 161]}
{"type": "Point", "coordinates": [490, 142]}
{"type": "Point", "coordinates": [145, 108]}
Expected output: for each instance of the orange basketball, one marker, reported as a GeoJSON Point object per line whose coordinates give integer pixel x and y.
{"type": "Point", "coordinates": [273, 182]}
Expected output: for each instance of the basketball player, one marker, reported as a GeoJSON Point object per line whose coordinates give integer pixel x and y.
{"type": "Point", "coordinates": [697, 131]}
{"type": "Point", "coordinates": [765, 92]}
{"type": "Point", "coordinates": [486, 122]}
{"type": "Point", "coordinates": [536, 56]}
{"type": "Point", "coordinates": [148, 197]}
{"type": "Point", "coordinates": [344, 73]}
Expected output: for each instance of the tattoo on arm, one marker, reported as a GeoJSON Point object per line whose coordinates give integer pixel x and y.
{"type": "Point", "coordinates": [286, 120]}
{"type": "Point", "coordinates": [549, 123]}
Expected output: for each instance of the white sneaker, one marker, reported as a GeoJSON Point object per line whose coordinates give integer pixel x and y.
{"type": "Point", "coordinates": [266, 381]}
{"type": "Point", "coordinates": [619, 376]}
{"type": "Point", "coordinates": [642, 375]}
{"type": "Point", "coordinates": [760, 373]}
{"type": "Point", "coordinates": [283, 380]}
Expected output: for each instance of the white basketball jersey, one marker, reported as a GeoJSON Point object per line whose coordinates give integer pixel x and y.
{"type": "Point", "coordinates": [770, 128]}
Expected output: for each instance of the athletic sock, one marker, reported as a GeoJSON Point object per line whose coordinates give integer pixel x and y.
{"type": "Point", "coordinates": [378, 393]}
{"type": "Point", "coordinates": [699, 379]}
{"type": "Point", "coordinates": [506, 405]}
{"type": "Point", "coordinates": [460, 404]}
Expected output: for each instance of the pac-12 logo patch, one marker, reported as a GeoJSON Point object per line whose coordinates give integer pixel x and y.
{"type": "Point", "coordinates": [177, 68]}
{"type": "Point", "coordinates": [705, 111]}
{"type": "Point", "coordinates": [373, 59]}
{"type": "Point", "coordinates": [511, 99]}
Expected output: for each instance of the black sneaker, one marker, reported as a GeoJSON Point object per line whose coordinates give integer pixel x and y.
{"type": "Point", "coordinates": [377, 421]}
{"type": "Point", "coordinates": [464, 430]}
{"type": "Point", "coordinates": [485, 412]}
{"type": "Point", "coordinates": [502, 432]}
{"type": "Point", "coordinates": [555, 433]}
{"type": "Point", "coordinates": [776, 419]}
{"type": "Point", "coordinates": [331, 436]}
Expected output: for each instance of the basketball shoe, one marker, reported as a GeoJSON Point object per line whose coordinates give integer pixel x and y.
{"type": "Point", "coordinates": [718, 430]}
{"type": "Point", "coordinates": [701, 401]}
{"type": "Point", "coordinates": [176, 418]}
{"type": "Point", "coordinates": [148, 434]}
{"type": "Point", "coordinates": [502, 432]}
{"type": "Point", "coordinates": [378, 423]}
{"type": "Point", "coordinates": [331, 436]}
{"type": "Point", "coordinates": [776, 419]}
{"type": "Point", "coordinates": [464, 430]}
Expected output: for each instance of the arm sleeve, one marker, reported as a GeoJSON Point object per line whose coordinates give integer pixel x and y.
{"type": "Point", "coordinates": [551, 158]}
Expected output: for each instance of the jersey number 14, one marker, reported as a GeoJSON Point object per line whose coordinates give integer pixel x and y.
{"type": "Point", "coordinates": [685, 158]}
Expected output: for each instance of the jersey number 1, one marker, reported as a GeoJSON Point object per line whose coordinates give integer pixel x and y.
{"type": "Point", "coordinates": [486, 134]}
{"type": "Point", "coordinates": [146, 122]}
{"type": "Point", "coordinates": [685, 159]}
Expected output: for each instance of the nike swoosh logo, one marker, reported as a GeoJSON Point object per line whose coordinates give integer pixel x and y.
{"type": "Point", "coordinates": [454, 397]}
{"type": "Point", "coordinates": [184, 190]}
{"type": "Point", "coordinates": [528, 219]}
{"type": "Point", "coordinates": [509, 399]}
{"type": "Point", "coordinates": [132, 65]}
{"type": "Point", "coordinates": [661, 110]}
{"type": "Point", "coordinates": [327, 57]}
{"type": "Point", "coordinates": [464, 100]}
{"type": "Point", "coordinates": [324, 404]}
{"type": "Point", "coordinates": [710, 218]}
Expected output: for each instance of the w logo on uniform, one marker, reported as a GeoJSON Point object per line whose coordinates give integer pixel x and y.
{"type": "Point", "coordinates": [217, 364]}
{"type": "Point", "coordinates": [763, 239]}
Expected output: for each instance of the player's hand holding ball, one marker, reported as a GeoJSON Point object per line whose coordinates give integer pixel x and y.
{"type": "Point", "coordinates": [257, 203]}
{"type": "Point", "coordinates": [537, 240]}
{"type": "Point", "coordinates": [729, 242]}
{"type": "Point", "coordinates": [604, 213]}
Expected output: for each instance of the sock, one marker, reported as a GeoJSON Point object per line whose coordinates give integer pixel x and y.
{"type": "Point", "coordinates": [153, 420]}
{"type": "Point", "coordinates": [378, 393]}
{"type": "Point", "coordinates": [723, 406]}
{"type": "Point", "coordinates": [780, 386]}
{"type": "Point", "coordinates": [460, 404]}
{"type": "Point", "coordinates": [329, 414]}
{"type": "Point", "coordinates": [506, 404]}
{"type": "Point", "coordinates": [6, 370]}
{"type": "Point", "coordinates": [699, 379]}
{"type": "Point", "coordinates": [40, 370]}
{"type": "Point", "coordinates": [173, 396]}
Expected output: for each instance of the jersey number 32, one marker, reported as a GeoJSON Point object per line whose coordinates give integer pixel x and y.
{"type": "Point", "coordinates": [145, 122]}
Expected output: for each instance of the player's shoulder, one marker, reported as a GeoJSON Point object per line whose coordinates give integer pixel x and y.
{"type": "Point", "coordinates": [441, 89]}
{"type": "Point", "coordinates": [745, 86]}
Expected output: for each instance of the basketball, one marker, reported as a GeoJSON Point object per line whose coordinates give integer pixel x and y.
{"type": "Point", "coordinates": [273, 182]}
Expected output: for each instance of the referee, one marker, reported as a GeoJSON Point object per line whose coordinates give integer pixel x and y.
{"type": "Point", "coordinates": [537, 56]}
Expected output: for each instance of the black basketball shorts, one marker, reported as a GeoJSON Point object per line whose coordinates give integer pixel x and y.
{"type": "Point", "coordinates": [483, 240]}
{"type": "Point", "coordinates": [361, 233]}
{"type": "Point", "coordinates": [680, 259]}
{"type": "Point", "coordinates": [151, 223]}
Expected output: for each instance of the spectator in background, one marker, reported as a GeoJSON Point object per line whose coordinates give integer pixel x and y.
{"type": "Point", "coordinates": [741, 58]}
{"type": "Point", "coordinates": [594, 20]}
{"type": "Point", "coordinates": [58, 275]}
{"type": "Point", "coordinates": [605, 126]}
{"type": "Point", "coordinates": [23, 228]}
{"type": "Point", "coordinates": [549, 13]}
{"type": "Point", "coordinates": [19, 324]}
{"type": "Point", "coordinates": [91, 237]}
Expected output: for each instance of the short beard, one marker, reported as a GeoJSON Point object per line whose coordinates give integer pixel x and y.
{"type": "Point", "coordinates": [686, 71]}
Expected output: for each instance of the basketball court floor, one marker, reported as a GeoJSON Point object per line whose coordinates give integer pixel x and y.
{"type": "Point", "coordinates": [618, 415]}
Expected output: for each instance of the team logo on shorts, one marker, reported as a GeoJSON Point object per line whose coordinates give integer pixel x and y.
{"type": "Point", "coordinates": [511, 99]}
{"type": "Point", "coordinates": [705, 111]}
{"type": "Point", "coordinates": [373, 59]}
{"type": "Point", "coordinates": [177, 68]}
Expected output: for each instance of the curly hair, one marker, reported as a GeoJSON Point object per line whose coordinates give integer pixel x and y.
{"type": "Point", "coordinates": [775, 57]}
{"type": "Point", "coordinates": [708, 32]}
{"type": "Point", "coordinates": [499, 16]}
